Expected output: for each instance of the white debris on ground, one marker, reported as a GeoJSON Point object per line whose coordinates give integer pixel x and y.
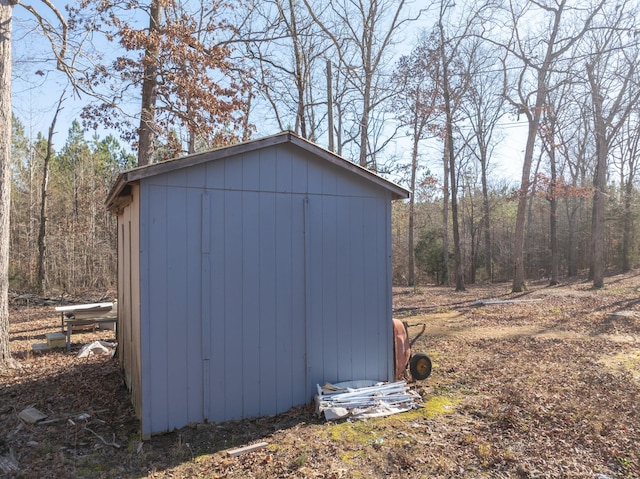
{"type": "Point", "coordinates": [363, 399]}
{"type": "Point", "coordinates": [97, 347]}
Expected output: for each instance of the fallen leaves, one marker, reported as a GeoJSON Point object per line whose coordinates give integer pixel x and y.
{"type": "Point", "coordinates": [518, 390]}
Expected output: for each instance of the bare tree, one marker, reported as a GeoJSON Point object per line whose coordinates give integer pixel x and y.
{"type": "Point", "coordinates": [539, 53]}
{"type": "Point", "coordinates": [483, 108]}
{"type": "Point", "coordinates": [42, 229]}
{"type": "Point", "coordinates": [449, 153]}
{"type": "Point", "coordinates": [362, 35]}
{"type": "Point", "coordinates": [57, 35]}
{"type": "Point", "coordinates": [629, 164]}
{"type": "Point", "coordinates": [287, 52]}
{"type": "Point", "coordinates": [564, 141]}
{"type": "Point", "coordinates": [417, 106]}
{"type": "Point", "coordinates": [550, 137]}
{"type": "Point", "coordinates": [5, 177]}
{"type": "Point", "coordinates": [453, 83]}
{"type": "Point", "coordinates": [613, 82]}
{"type": "Point", "coordinates": [577, 152]}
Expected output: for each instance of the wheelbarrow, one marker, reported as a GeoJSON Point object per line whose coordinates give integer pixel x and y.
{"type": "Point", "coordinates": [419, 364]}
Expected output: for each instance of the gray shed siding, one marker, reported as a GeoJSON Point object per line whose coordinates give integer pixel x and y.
{"type": "Point", "coordinates": [261, 275]}
{"type": "Point", "coordinates": [129, 296]}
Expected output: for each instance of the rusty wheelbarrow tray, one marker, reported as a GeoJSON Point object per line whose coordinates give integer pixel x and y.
{"type": "Point", "coordinates": [419, 364]}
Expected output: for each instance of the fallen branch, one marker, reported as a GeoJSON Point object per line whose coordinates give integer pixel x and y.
{"type": "Point", "coordinates": [246, 449]}
{"type": "Point", "coordinates": [506, 301]}
{"type": "Point", "coordinates": [113, 443]}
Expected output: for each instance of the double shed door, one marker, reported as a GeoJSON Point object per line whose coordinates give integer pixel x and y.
{"type": "Point", "coordinates": [253, 303]}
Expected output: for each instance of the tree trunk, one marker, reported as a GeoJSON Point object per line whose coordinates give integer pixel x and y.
{"type": "Point", "coordinates": [599, 185]}
{"type": "Point", "coordinates": [364, 125]}
{"type": "Point", "coordinates": [486, 223]}
{"type": "Point", "coordinates": [301, 124]}
{"type": "Point", "coordinates": [572, 254]}
{"type": "Point", "coordinates": [518, 284]}
{"type": "Point", "coordinates": [553, 212]}
{"type": "Point", "coordinates": [533, 119]}
{"type": "Point", "coordinates": [6, 10]}
{"type": "Point", "coordinates": [412, 199]}
{"type": "Point", "coordinates": [147, 130]}
{"type": "Point", "coordinates": [451, 159]}
{"type": "Point", "coordinates": [553, 229]}
{"type": "Point", "coordinates": [42, 231]}
{"type": "Point", "coordinates": [368, 44]}
{"type": "Point", "coordinates": [457, 252]}
{"type": "Point", "coordinates": [473, 244]}
{"type": "Point", "coordinates": [445, 221]}
{"type": "Point", "coordinates": [626, 233]}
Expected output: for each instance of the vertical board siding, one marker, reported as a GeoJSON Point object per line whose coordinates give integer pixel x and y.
{"type": "Point", "coordinates": [333, 315]}
{"type": "Point", "coordinates": [284, 312]}
{"type": "Point", "coordinates": [267, 166]}
{"type": "Point", "coordinates": [147, 427]}
{"type": "Point", "coordinates": [133, 308]}
{"type": "Point", "coordinates": [283, 296]}
{"type": "Point", "coordinates": [371, 264]}
{"type": "Point", "coordinates": [177, 312]}
{"type": "Point", "coordinates": [197, 177]}
{"type": "Point", "coordinates": [157, 303]}
{"type": "Point", "coordinates": [215, 175]}
{"type": "Point", "coordinates": [173, 358]}
{"type": "Point", "coordinates": [267, 305]}
{"type": "Point", "coordinates": [200, 308]}
{"type": "Point", "coordinates": [293, 309]}
{"type": "Point", "coordinates": [249, 354]}
{"type": "Point", "coordinates": [329, 270]}
{"type": "Point", "coordinates": [218, 304]}
{"type": "Point", "coordinates": [357, 322]}
{"type": "Point", "coordinates": [344, 245]}
{"type": "Point", "coordinates": [284, 171]}
{"type": "Point", "coordinates": [124, 319]}
{"type": "Point", "coordinates": [258, 258]}
{"type": "Point", "coordinates": [232, 358]}
{"type": "Point", "coordinates": [388, 286]}
{"type": "Point", "coordinates": [128, 297]}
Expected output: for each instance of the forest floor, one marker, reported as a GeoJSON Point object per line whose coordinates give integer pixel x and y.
{"type": "Point", "coordinates": [548, 388]}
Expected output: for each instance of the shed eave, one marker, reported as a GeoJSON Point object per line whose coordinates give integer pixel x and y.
{"type": "Point", "coordinates": [397, 192]}
{"type": "Point", "coordinates": [112, 199]}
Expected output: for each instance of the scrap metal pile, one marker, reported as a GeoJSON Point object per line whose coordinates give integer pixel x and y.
{"type": "Point", "coordinates": [363, 399]}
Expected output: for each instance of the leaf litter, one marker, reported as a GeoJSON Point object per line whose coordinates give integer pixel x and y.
{"type": "Point", "coordinates": [536, 389]}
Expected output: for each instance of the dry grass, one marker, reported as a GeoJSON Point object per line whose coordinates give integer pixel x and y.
{"type": "Point", "coordinates": [540, 389]}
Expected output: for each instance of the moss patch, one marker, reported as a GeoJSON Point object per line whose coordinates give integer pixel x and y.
{"type": "Point", "coordinates": [377, 431]}
{"type": "Point", "coordinates": [433, 406]}
{"type": "Point", "coordinates": [358, 432]}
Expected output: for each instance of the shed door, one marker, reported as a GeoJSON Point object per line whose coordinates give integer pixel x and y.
{"type": "Point", "coordinates": [253, 303]}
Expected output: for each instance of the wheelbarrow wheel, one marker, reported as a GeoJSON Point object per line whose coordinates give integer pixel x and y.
{"type": "Point", "coordinates": [420, 366]}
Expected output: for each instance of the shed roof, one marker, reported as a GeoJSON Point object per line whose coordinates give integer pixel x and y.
{"type": "Point", "coordinates": [127, 177]}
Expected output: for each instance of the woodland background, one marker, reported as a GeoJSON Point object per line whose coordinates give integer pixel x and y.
{"type": "Point", "coordinates": [423, 93]}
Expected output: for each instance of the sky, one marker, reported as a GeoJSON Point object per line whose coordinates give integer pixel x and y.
{"type": "Point", "coordinates": [37, 86]}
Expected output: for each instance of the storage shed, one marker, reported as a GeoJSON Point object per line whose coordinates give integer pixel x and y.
{"type": "Point", "coordinates": [247, 275]}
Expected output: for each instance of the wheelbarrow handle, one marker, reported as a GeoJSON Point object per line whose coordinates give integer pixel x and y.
{"type": "Point", "coordinates": [407, 326]}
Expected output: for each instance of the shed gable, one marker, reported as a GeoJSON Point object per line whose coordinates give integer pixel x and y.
{"type": "Point", "coordinates": [281, 168]}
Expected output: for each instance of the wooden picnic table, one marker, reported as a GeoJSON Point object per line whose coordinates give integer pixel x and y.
{"type": "Point", "coordinates": [83, 311]}
{"type": "Point", "coordinates": [111, 318]}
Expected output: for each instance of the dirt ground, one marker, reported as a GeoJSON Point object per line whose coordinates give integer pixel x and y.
{"type": "Point", "coordinates": [544, 384]}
